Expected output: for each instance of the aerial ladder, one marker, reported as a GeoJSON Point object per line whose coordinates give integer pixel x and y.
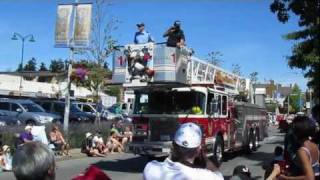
{"type": "Point", "coordinates": [139, 65]}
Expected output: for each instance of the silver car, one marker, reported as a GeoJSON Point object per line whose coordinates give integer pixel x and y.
{"type": "Point", "coordinates": [26, 112]}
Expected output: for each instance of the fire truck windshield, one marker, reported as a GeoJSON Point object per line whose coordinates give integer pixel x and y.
{"type": "Point", "coordinates": [169, 102]}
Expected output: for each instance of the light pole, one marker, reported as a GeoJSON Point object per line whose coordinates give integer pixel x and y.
{"type": "Point", "coordinates": [29, 37]}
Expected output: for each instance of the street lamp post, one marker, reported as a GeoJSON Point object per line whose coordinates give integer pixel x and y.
{"type": "Point", "coordinates": [29, 37]}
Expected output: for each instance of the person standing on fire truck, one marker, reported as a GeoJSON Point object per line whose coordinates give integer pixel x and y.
{"type": "Point", "coordinates": [187, 160]}
{"type": "Point", "coordinates": [175, 35]}
{"type": "Point", "coordinates": [142, 36]}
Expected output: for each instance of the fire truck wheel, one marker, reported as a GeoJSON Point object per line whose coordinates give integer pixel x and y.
{"type": "Point", "coordinates": [252, 142]}
{"type": "Point", "coordinates": [257, 136]}
{"type": "Point", "coordinates": [218, 150]}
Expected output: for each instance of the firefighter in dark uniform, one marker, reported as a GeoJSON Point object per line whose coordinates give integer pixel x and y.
{"type": "Point", "coordinates": [175, 35]}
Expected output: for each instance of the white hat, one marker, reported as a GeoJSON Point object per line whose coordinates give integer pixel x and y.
{"type": "Point", "coordinates": [188, 135]}
{"type": "Point", "coordinates": [5, 148]}
{"type": "Point", "coordinates": [88, 134]}
{"type": "Point", "coordinates": [28, 127]}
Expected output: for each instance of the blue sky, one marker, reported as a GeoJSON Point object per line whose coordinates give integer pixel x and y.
{"type": "Point", "coordinates": [244, 31]}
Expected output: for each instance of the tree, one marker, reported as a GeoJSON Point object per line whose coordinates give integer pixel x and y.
{"type": "Point", "coordinates": [214, 57]}
{"type": "Point", "coordinates": [101, 45]}
{"type": "Point", "coordinates": [294, 99]}
{"type": "Point", "coordinates": [95, 78]}
{"type": "Point", "coordinates": [20, 68]}
{"type": "Point", "coordinates": [102, 42]}
{"type": "Point", "coordinates": [43, 67]}
{"type": "Point", "coordinates": [57, 65]}
{"type": "Point", "coordinates": [236, 69]}
{"type": "Point", "coordinates": [113, 91]}
{"type": "Point", "coordinates": [306, 52]}
{"type": "Point", "coordinates": [254, 77]}
{"type": "Point", "coordinates": [31, 65]}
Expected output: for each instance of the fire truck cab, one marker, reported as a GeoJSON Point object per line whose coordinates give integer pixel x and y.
{"type": "Point", "coordinates": [172, 87]}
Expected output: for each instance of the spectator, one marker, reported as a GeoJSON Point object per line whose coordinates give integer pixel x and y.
{"type": "Point", "coordinates": [291, 146]}
{"type": "Point", "coordinates": [5, 158]}
{"type": "Point", "coordinates": [278, 154]}
{"type": "Point", "coordinates": [127, 136]}
{"type": "Point", "coordinates": [113, 144]}
{"type": "Point", "coordinates": [241, 172]}
{"type": "Point", "coordinates": [26, 136]}
{"type": "Point", "coordinates": [278, 159]}
{"type": "Point", "coordinates": [33, 161]}
{"type": "Point", "coordinates": [99, 143]}
{"type": "Point", "coordinates": [175, 35]}
{"type": "Point", "coordinates": [88, 147]}
{"type": "Point", "coordinates": [181, 164]}
{"type": "Point", "coordinates": [142, 36]}
{"type": "Point", "coordinates": [307, 155]}
{"type": "Point", "coordinates": [275, 173]}
{"type": "Point", "coordinates": [316, 113]}
{"type": "Point", "coordinates": [92, 173]}
{"type": "Point", "coordinates": [56, 138]}
{"type": "Point", "coordinates": [114, 128]}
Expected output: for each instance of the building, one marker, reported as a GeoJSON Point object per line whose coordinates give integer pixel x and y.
{"type": "Point", "coordinates": [39, 76]}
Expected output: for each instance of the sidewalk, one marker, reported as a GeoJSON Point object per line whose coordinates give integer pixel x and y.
{"type": "Point", "coordinates": [75, 154]}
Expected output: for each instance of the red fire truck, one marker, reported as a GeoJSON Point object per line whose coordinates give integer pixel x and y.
{"type": "Point", "coordinates": [172, 87]}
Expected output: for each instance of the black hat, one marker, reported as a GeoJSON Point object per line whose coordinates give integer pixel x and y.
{"type": "Point", "coordinates": [140, 24]}
{"type": "Point", "coordinates": [242, 170]}
{"type": "Point", "coordinates": [177, 23]}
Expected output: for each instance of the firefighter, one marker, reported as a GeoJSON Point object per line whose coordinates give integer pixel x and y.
{"type": "Point", "coordinates": [187, 160]}
{"type": "Point", "coordinates": [196, 110]}
{"type": "Point", "coordinates": [142, 36]}
{"type": "Point", "coordinates": [175, 35]}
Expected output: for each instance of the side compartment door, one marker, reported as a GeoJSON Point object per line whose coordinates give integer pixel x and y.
{"type": "Point", "coordinates": [239, 121]}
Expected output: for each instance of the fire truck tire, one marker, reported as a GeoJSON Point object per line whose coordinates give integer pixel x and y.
{"type": "Point", "coordinates": [218, 150]}
{"type": "Point", "coordinates": [251, 146]}
{"type": "Point", "coordinates": [257, 135]}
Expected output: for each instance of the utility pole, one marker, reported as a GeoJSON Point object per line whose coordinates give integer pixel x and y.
{"type": "Point", "coordinates": [71, 56]}
{"type": "Point", "coordinates": [288, 104]}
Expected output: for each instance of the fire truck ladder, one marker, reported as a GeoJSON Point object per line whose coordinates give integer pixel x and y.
{"type": "Point", "coordinates": [139, 65]}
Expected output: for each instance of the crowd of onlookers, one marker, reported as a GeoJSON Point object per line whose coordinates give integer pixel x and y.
{"type": "Point", "coordinates": [298, 158]}
{"type": "Point", "coordinates": [117, 141]}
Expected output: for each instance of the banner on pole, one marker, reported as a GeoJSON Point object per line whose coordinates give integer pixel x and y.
{"type": "Point", "coordinates": [63, 25]}
{"type": "Point", "coordinates": [82, 27]}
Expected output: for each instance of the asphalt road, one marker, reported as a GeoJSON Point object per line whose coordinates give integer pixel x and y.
{"type": "Point", "coordinates": [128, 166]}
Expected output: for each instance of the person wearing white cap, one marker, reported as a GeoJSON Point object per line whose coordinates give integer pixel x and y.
{"type": "Point", "coordinates": [26, 136]}
{"type": "Point", "coordinates": [88, 147]}
{"type": "Point", "coordinates": [5, 158]}
{"type": "Point", "coordinates": [182, 165]}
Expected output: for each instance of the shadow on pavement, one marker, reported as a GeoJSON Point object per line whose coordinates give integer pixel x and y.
{"type": "Point", "coordinates": [275, 142]}
{"type": "Point", "coordinates": [262, 158]}
{"type": "Point", "coordinates": [252, 178]}
{"type": "Point", "coordinates": [133, 165]}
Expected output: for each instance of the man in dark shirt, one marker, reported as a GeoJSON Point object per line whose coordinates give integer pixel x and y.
{"type": "Point", "coordinates": [175, 35]}
{"type": "Point", "coordinates": [26, 136]}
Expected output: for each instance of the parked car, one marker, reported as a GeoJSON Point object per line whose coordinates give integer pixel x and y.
{"type": "Point", "coordinates": [8, 120]}
{"type": "Point", "coordinates": [57, 107]}
{"type": "Point", "coordinates": [86, 107]}
{"type": "Point", "coordinates": [26, 112]}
